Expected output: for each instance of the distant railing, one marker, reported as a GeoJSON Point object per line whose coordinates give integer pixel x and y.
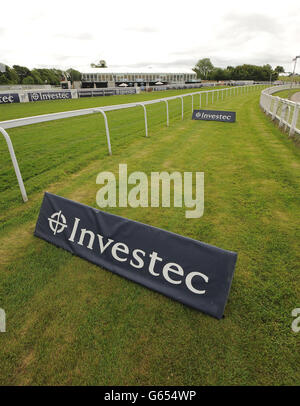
{"type": "Point", "coordinates": [219, 94]}
{"type": "Point", "coordinates": [283, 110]}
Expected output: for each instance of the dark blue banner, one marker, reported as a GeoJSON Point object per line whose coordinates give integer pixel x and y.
{"type": "Point", "coordinates": [9, 98]}
{"type": "Point", "coordinates": [214, 115]}
{"type": "Point", "coordinates": [189, 271]}
{"type": "Point", "coordinates": [59, 95]}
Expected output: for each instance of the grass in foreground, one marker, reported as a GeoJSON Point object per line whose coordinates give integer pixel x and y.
{"type": "Point", "coordinates": [70, 322]}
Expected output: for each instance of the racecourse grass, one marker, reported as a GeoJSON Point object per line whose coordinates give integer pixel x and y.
{"type": "Point", "coordinates": [70, 322]}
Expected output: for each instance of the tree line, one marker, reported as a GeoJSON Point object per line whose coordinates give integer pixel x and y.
{"type": "Point", "coordinates": [22, 75]}
{"type": "Point", "coordinates": [205, 70]}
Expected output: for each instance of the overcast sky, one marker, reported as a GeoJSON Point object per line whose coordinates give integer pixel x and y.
{"type": "Point", "coordinates": [158, 33]}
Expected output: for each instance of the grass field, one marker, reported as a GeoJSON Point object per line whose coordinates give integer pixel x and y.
{"type": "Point", "coordinates": [286, 93]}
{"type": "Point", "coordinates": [70, 322]}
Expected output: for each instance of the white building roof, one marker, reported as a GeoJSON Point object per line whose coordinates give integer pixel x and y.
{"type": "Point", "coordinates": [126, 70]}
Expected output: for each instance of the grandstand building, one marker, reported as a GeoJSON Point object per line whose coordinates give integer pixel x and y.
{"type": "Point", "coordinates": [111, 77]}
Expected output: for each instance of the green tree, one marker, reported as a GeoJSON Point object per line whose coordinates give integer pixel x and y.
{"type": "Point", "coordinates": [9, 77]}
{"type": "Point", "coordinates": [59, 74]}
{"type": "Point", "coordinates": [74, 74]}
{"type": "Point", "coordinates": [50, 76]}
{"type": "Point", "coordinates": [203, 68]}
{"type": "Point", "coordinates": [37, 77]}
{"type": "Point", "coordinates": [279, 69]}
{"type": "Point", "coordinates": [218, 74]}
{"type": "Point", "coordinates": [28, 80]}
{"type": "Point", "coordinates": [22, 72]}
{"type": "Point", "coordinates": [101, 64]}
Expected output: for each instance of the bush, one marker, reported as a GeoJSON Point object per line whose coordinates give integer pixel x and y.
{"type": "Point", "coordinates": [28, 81]}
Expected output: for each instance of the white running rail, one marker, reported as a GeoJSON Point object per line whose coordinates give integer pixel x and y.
{"type": "Point", "coordinates": [284, 110]}
{"type": "Point", "coordinates": [15, 163]}
{"type": "Point", "coordinates": [4, 125]}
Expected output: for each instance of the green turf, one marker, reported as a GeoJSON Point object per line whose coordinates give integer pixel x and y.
{"type": "Point", "coordinates": [70, 322]}
{"type": "Point", "coordinates": [286, 93]}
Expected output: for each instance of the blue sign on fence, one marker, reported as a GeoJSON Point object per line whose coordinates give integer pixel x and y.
{"type": "Point", "coordinates": [38, 96]}
{"type": "Point", "coordinates": [9, 98]}
{"type": "Point", "coordinates": [214, 115]}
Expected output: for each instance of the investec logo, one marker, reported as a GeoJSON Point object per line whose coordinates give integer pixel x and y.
{"type": "Point", "coordinates": [137, 258]}
{"type": "Point", "coordinates": [9, 98]}
{"type": "Point", "coordinates": [36, 96]}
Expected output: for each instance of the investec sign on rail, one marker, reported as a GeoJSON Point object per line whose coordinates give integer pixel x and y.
{"type": "Point", "coordinates": [38, 96]}
{"type": "Point", "coordinates": [9, 98]}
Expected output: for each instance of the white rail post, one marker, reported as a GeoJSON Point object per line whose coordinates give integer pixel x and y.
{"type": "Point", "coordinates": [200, 100]}
{"type": "Point", "coordinates": [294, 119]}
{"type": "Point", "coordinates": [106, 129]}
{"type": "Point", "coordinates": [275, 108]}
{"type": "Point", "coordinates": [283, 113]}
{"type": "Point", "coordinates": [167, 107]}
{"type": "Point", "coordinates": [15, 164]}
{"type": "Point", "coordinates": [181, 97]}
{"type": "Point", "coordinates": [287, 117]}
{"type": "Point", "coordinates": [269, 97]}
{"type": "Point", "coordinates": [145, 116]}
{"type": "Point", "coordinates": [192, 102]}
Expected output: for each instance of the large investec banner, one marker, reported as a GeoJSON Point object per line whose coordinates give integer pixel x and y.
{"type": "Point", "coordinates": [192, 272]}
{"type": "Point", "coordinates": [9, 98]}
{"type": "Point", "coordinates": [59, 95]}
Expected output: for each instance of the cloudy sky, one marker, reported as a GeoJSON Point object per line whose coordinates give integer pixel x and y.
{"type": "Point", "coordinates": [158, 33]}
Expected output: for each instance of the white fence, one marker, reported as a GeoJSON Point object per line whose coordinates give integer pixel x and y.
{"type": "Point", "coordinates": [5, 88]}
{"type": "Point", "coordinates": [284, 110]}
{"type": "Point", "coordinates": [33, 93]}
{"type": "Point", "coordinates": [202, 100]}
